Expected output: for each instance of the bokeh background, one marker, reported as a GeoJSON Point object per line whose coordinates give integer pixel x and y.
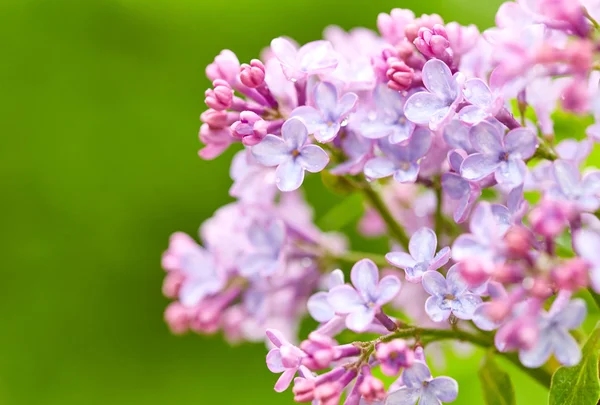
{"type": "Point", "coordinates": [99, 115]}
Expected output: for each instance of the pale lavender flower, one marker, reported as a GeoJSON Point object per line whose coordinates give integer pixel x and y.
{"type": "Point", "coordinates": [314, 58]}
{"type": "Point", "coordinates": [571, 187]}
{"type": "Point", "coordinates": [462, 38]}
{"type": "Point", "coordinates": [554, 337]}
{"type": "Point", "coordinates": [422, 257]}
{"type": "Point", "coordinates": [449, 295]}
{"type": "Point", "coordinates": [402, 161]}
{"type": "Point", "coordinates": [285, 358]}
{"type": "Point", "coordinates": [252, 182]}
{"type": "Point", "coordinates": [318, 305]}
{"type": "Point", "coordinates": [500, 155]}
{"type": "Point", "coordinates": [325, 121]}
{"type": "Point", "coordinates": [485, 239]}
{"type": "Point", "coordinates": [484, 103]}
{"type": "Point", "coordinates": [481, 318]}
{"type": "Point", "coordinates": [265, 256]}
{"type": "Point", "coordinates": [292, 155]}
{"type": "Point", "coordinates": [419, 385]}
{"type": "Point", "coordinates": [437, 105]}
{"type": "Point", "coordinates": [388, 118]}
{"type": "Point", "coordinates": [202, 277]}
{"type": "Point", "coordinates": [363, 301]}
{"type": "Point", "coordinates": [456, 135]}
{"type": "Point", "coordinates": [358, 149]}
{"type": "Point", "coordinates": [464, 192]}
{"type": "Point", "coordinates": [515, 209]}
{"type": "Point", "coordinates": [587, 245]}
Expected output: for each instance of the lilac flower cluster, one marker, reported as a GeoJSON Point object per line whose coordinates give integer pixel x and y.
{"type": "Point", "coordinates": [449, 136]}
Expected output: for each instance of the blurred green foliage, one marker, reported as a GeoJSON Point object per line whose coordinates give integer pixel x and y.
{"type": "Point", "coordinates": [100, 106]}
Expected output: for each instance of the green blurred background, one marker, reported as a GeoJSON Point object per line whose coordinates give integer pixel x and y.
{"type": "Point", "coordinates": [100, 106]}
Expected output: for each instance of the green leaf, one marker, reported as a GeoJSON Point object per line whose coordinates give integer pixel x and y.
{"type": "Point", "coordinates": [496, 384]}
{"type": "Point", "coordinates": [579, 385]}
{"type": "Point", "coordinates": [349, 210]}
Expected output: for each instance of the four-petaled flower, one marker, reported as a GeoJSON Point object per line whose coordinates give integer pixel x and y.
{"type": "Point", "coordinates": [449, 295]}
{"type": "Point", "coordinates": [402, 160]}
{"type": "Point", "coordinates": [318, 306]}
{"type": "Point", "coordinates": [422, 257]}
{"type": "Point", "coordinates": [291, 155]}
{"type": "Point", "coordinates": [285, 358]}
{"type": "Point", "coordinates": [437, 105]}
{"type": "Point", "coordinates": [570, 187]}
{"type": "Point", "coordinates": [266, 255]}
{"type": "Point", "coordinates": [420, 386]}
{"type": "Point", "coordinates": [325, 121]}
{"type": "Point", "coordinates": [369, 294]}
{"type": "Point", "coordinates": [484, 102]}
{"type": "Point", "coordinates": [314, 58]}
{"type": "Point", "coordinates": [554, 335]}
{"type": "Point", "coordinates": [498, 154]}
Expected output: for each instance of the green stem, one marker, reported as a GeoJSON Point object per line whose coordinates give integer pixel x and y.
{"type": "Point", "coordinates": [352, 257]}
{"type": "Point", "coordinates": [377, 203]}
{"type": "Point", "coordinates": [595, 297]}
{"type": "Point", "coordinates": [545, 152]}
{"type": "Point", "coordinates": [439, 217]}
{"type": "Point", "coordinates": [592, 20]}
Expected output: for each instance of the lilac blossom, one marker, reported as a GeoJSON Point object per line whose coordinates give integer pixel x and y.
{"type": "Point", "coordinates": [285, 358]}
{"type": "Point", "coordinates": [554, 337]}
{"type": "Point", "coordinates": [419, 385]}
{"type": "Point", "coordinates": [436, 106]}
{"type": "Point", "coordinates": [449, 295]}
{"type": "Point", "coordinates": [201, 275]}
{"type": "Point", "coordinates": [318, 305]}
{"type": "Point", "coordinates": [266, 254]}
{"type": "Point", "coordinates": [313, 58]}
{"type": "Point", "coordinates": [484, 102]}
{"type": "Point", "coordinates": [363, 301]}
{"type": "Point", "coordinates": [401, 161]}
{"type": "Point", "coordinates": [292, 155]}
{"type": "Point", "coordinates": [422, 257]}
{"type": "Point", "coordinates": [331, 114]}
{"type": "Point", "coordinates": [464, 192]}
{"type": "Point", "coordinates": [587, 244]}
{"type": "Point", "coordinates": [570, 187]}
{"type": "Point", "coordinates": [502, 155]}
{"type": "Point", "coordinates": [388, 120]}
{"type": "Point", "coordinates": [358, 149]}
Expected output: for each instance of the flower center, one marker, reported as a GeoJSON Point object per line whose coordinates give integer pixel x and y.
{"type": "Point", "coordinates": [449, 297]}
{"type": "Point", "coordinates": [503, 156]}
{"type": "Point", "coordinates": [295, 153]}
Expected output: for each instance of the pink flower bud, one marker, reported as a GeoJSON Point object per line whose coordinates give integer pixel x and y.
{"type": "Point", "coordinates": [497, 311]}
{"type": "Point", "coordinates": [252, 75]}
{"type": "Point", "coordinates": [372, 389]}
{"type": "Point", "coordinates": [518, 242]}
{"type": "Point", "coordinates": [392, 25]}
{"type": "Point", "coordinates": [178, 318]}
{"type": "Point", "coordinates": [474, 271]}
{"type": "Point", "coordinates": [393, 356]}
{"type": "Point", "coordinates": [575, 97]}
{"type": "Point", "coordinates": [425, 21]}
{"type": "Point", "coordinates": [250, 129]}
{"type": "Point", "coordinates": [172, 284]}
{"type": "Point", "coordinates": [571, 275]}
{"type": "Point", "coordinates": [541, 289]}
{"type": "Point", "coordinates": [580, 55]}
{"type": "Point", "coordinates": [509, 272]}
{"type": "Point", "coordinates": [220, 97]}
{"type": "Point", "coordinates": [320, 351]}
{"type": "Point", "coordinates": [215, 119]}
{"type": "Point", "coordinates": [216, 140]}
{"type": "Point", "coordinates": [304, 390]}
{"type": "Point", "coordinates": [399, 75]}
{"type": "Point", "coordinates": [434, 43]}
{"type": "Point", "coordinates": [549, 218]}
{"type": "Point", "coordinates": [328, 393]}
{"type": "Point", "coordinates": [226, 66]}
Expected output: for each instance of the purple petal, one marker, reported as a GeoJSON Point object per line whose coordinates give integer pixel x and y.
{"type": "Point", "coordinates": [365, 276]}
{"type": "Point", "coordinates": [274, 361]}
{"type": "Point", "coordinates": [456, 135]}
{"type": "Point", "coordinates": [433, 307]}
{"type": "Point", "coordinates": [345, 299]}
{"type": "Point", "coordinates": [422, 245]}
{"type": "Point", "coordinates": [402, 132]}
{"type": "Point", "coordinates": [258, 263]}
{"type": "Point", "coordinates": [572, 315]}
{"type": "Point", "coordinates": [195, 289]}
{"type": "Point", "coordinates": [408, 174]}
{"type": "Point", "coordinates": [483, 223]}
{"type": "Point", "coordinates": [593, 131]}
{"type": "Point", "coordinates": [285, 380]}
{"type": "Point", "coordinates": [567, 176]}
{"type": "Point", "coordinates": [521, 143]}
{"type": "Point", "coordinates": [566, 349]}
{"type": "Point", "coordinates": [444, 388]}
{"type": "Point", "coordinates": [538, 354]}
{"type": "Point", "coordinates": [289, 175]}
{"type": "Point", "coordinates": [421, 107]}
{"type": "Point", "coordinates": [326, 98]}
{"type": "Point", "coordinates": [312, 118]}
{"type": "Point", "coordinates": [335, 278]}
{"type": "Point", "coordinates": [481, 319]}
{"type": "Point", "coordinates": [438, 79]}
{"type": "Point", "coordinates": [472, 115]}
{"type": "Point", "coordinates": [317, 57]}
{"type": "Point", "coordinates": [419, 144]}
{"type": "Point", "coordinates": [428, 398]}
{"type": "Point", "coordinates": [312, 158]}
{"type": "Point", "coordinates": [440, 259]}
{"type": "Point", "coordinates": [294, 133]}
{"type": "Point", "coordinates": [486, 139]}
{"type": "Point", "coordinates": [434, 283]}
{"type": "Point", "coordinates": [415, 274]}
{"type": "Point", "coordinates": [388, 288]}
{"type": "Point", "coordinates": [360, 319]}
{"type": "Point", "coordinates": [400, 259]}
{"type": "Point", "coordinates": [327, 133]}
{"type": "Point", "coordinates": [271, 151]}
{"type": "Point", "coordinates": [376, 129]}
{"type": "Point", "coordinates": [455, 283]}
{"type": "Point", "coordinates": [379, 167]}
{"type": "Point", "coordinates": [464, 306]}
{"type": "Point", "coordinates": [403, 396]}
{"type": "Point", "coordinates": [455, 186]}
{"type": "Point", "coordinates": [276, 337]}
{"type": "Point", "coordinates": [319, 308]}
{"type": "Point", "coordinates": [511, 173]}
{"type": "Point", "coordinates": [286, 53]}
{"type": "Point", "coordinates": [414, 376]}
{"type": "Point", "coordinates": [346, 105]}
{"type": "Point", "coordinates": [467, 246]}
{"type": "Point", "coordinates": [477, 93]}
{"type": "Point", "coordinates": [591, 183]}
{"type": "Point", "coordinates": [477, 166]}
